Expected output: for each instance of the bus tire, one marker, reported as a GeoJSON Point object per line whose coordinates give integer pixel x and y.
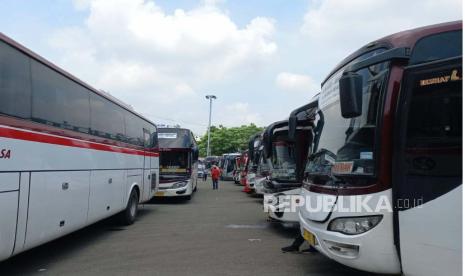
{"type": "Point", "coordinates": [128, 216]}
{"type": "Point", "coordinates": [195, 189]}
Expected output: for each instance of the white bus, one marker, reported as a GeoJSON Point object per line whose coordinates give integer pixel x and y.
{"type": "Point", "coordinates": [387, 157]}
{"type": "Point", "coordinates": [70, 155]}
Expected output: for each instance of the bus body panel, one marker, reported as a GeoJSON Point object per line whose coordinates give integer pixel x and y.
{"type": "Point", "coordinates": [422, 230]}
{"type": "Point", "coordinates": [376, 251]}
{"type": "Point", "coordinates": [36, 155]}
{"type": "Point", "coordinates": [106, 193]}
{"type": "Point", "coordinates": [9, 183]}
{"type": "Point", "coordinates": [58, 205]}
{"type": "Point", "coordinates": [23, 204]}
{"type": "Point", "coordinates": [134, 179]}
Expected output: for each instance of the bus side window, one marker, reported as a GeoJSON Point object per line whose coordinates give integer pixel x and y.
{"type": "Point", "coordinates": [15, 82]}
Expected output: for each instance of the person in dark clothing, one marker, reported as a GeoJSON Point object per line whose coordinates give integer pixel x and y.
{"type": "Point", "coordinates": [205, 174]}
{"type": "Point", "coordinates": [294, 247]}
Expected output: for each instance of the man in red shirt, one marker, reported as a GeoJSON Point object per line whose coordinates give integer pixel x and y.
{"type": "Point", "coordinates": [215, 172]}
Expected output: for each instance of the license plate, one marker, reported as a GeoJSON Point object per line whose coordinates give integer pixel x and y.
{"type": "Point", "coordinates": [309, 237]}
{"type": "Point", "coordinates": [159, 193]}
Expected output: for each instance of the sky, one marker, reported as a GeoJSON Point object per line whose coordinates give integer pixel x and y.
{"type": "Point", "coordinates": [261, 58]}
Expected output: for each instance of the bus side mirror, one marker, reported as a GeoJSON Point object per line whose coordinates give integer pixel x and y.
{"type": "Point", "coordinates": [350, 94]}
{"type": "Point", "coordinates": [292, 127]}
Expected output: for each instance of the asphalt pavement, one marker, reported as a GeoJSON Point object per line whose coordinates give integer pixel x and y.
{"type": "Point", "coordinates": [218, 232]}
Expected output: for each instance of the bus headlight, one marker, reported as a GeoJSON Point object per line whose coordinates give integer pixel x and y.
{"type": "Point", "coordinates": [354, 225]}
{"type": "Point", "coordinates": [179, 184]}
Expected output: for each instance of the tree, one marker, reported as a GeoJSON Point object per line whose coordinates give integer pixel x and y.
{"type": "Point", "coordinates": [225, 140]}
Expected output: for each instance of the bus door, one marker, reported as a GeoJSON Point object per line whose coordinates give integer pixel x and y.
{"type": "Point", "coordinates": [149, 177]}
{"type": "Point", "coordinates": [427, 169]}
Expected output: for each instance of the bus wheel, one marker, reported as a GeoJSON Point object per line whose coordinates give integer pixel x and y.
{"type": "Point", "coordinates": [195, 189]}
{"type": "Point", "coordinates": [128, 216]}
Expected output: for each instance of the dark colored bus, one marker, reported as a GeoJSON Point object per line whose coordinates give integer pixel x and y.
{"type": "Point", "coordinates": [178, 162]}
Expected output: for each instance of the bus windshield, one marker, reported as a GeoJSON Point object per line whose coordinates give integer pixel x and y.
{"type": "Point", "coordinates": [283, 161]}
{"type": "Point", "coordinates": [174, 162]}
{"type": "Point", "coordinates": [343, 146]}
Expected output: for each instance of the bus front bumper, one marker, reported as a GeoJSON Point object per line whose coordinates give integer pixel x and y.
{"type": "Point", "coordinates": [166, 190]}
{"type": "Point", "coordinates": [372, 251]}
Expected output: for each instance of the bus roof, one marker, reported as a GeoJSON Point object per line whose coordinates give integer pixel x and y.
{"type": "Point", "coordinates": [406, 38]}
{"type": "Point", "coordinates": [51, 65]}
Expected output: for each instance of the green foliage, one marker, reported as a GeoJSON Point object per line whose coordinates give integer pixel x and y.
{"type": "Point", "coordinates": [225, 140]}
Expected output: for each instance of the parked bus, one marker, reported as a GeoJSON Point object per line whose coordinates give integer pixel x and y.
{"type": "Point", "coordinates": [390, 135]}
{"type": "Point", "coordinates": [211, 160]}
{"type": "Point", "coordinates": [237, 171]}
{"type": "Point", "coordinates": [286, 156]}
{"type": "Point", "coordinates": [243, 168]}
{"type": "Point", "coordinates": [263, 171]}
{"type": "Point", "coordinates": [179, 156]}
{"type": "Point", "coordinates": [255, 142]}
{"type": "Point", "coordinates": [227, 165]}
{"type": "Point", "coordinates": [70, 154]}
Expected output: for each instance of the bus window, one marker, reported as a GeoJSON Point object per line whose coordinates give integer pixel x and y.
{"type": "Point", "coordinates": [107, 119]}
{"type": "Point", "coordinates": [58, 101]}
{"type": "Point", "coordinates": [15, 83]}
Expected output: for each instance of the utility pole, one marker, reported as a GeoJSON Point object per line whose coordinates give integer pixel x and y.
{"type": "Point", "coordinates": [211, 98]}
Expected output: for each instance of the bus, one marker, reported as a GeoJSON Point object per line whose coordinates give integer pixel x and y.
{"type": "Point", "coordinates": [262, 173]}
{"type": "Point", "coordinates": [179, 156]}
{"type": "Point", "coordinates": [70, 155]}
{"type": "Point", "coordinates": [388, 156]}
{"type": "Point", "coordinates": [286, 155]}
{"type": "Point", "coordinates": [228, 165]}
{"type": "Point", "coordinates": [252, 162]}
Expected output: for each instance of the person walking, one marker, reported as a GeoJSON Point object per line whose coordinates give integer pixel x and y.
{"type": "Point", "coordinates": [215, 173]}
{"type": "Point", "coordinates": [205, 174]}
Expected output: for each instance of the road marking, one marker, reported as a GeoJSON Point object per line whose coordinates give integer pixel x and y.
{"type": "Point", "coordinates": [247, 226]}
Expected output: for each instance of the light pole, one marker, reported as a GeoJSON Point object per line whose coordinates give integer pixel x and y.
{"type": "Point", "coordinates": [209, 97]}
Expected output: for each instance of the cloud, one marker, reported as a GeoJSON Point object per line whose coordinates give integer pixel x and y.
{"type": "Point", "coordinates": [235, 114]}
{"type": "Point", "coordinates": [158, 61]}
{"type": "Point", "coordinates": [295, 82]}
{"type": "Point", "coordinates": [336, 28]}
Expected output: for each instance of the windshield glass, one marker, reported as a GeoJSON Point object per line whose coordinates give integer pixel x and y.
{"type": "Point", "coordinates": [346, 146]}
{"type": "Point", "coordinates": [174, 162]}
{"type": "Point", "coordinates": [283, 161]}
{"type": "Point", "coordinates": [174, 138]}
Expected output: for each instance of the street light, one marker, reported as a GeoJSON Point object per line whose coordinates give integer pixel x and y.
{"type": "Point", "coordinates": [209, 97]}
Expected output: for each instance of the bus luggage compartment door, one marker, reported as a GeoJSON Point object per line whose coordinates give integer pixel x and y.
{"type": "Point", "coordinates": [58, 205]}
{"type": "Point", "coordinates": [9, 185]}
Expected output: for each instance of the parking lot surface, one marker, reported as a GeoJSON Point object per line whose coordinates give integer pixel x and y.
{"type": "Point", "coordinates": [218, 232]}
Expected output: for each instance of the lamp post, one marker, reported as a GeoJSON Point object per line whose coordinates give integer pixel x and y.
{"type": "Point", "coordinates": [209, 97]}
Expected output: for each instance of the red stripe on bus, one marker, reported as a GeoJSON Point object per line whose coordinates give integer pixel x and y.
{"type": "Point", "coordinates": [62, 141]}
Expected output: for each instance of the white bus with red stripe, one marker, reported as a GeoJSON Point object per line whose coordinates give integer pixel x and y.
{"type": "Point", "coordinates": [69, 155]}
